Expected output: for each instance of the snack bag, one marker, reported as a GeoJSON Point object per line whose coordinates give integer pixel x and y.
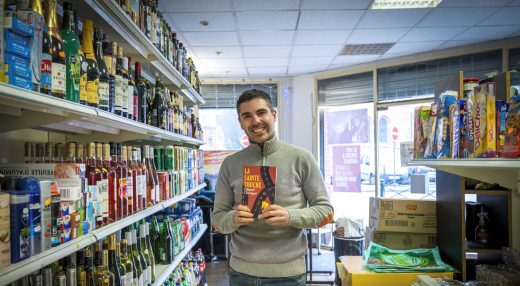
{"type": "Point", "coordinates": [463, 128]}
{"type": "Point", "coordinates": [502, 110]}
{"type": "Point", "coordinates": [430, 151]}
{"type": "Point", "coordinates": [454, 127]}
{"type": "Point", "coordinates": [512, 136]}
{"type": "Point", "coordinates": [443, 133]}
{"type": "Point", "coordinates": [479, 121]}
{"type": "Point", "coordinates": [421, 119]}
{"type": "Point", "coordinates": [470, 126]}
{"type": "Point", "coordinates": [490, 150]}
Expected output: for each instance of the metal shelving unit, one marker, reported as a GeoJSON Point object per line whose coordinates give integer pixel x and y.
{"type": "Point", "coordinates": [21, 269]}
{"type": "Point", "coordinates": [163, 271]}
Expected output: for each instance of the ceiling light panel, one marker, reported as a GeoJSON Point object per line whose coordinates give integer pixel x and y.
{"type": "Point", "coordinates": [267, 20]}
{"type": "Point", "coordinates": [264, 38]}
{"type": "Point", "coordinates": [191, 22]}
{"type": "Point", "coordinates": [404, 4]}
{"type": "Point", "coordinates": [368, 49]}
{"type": "Point", "coordinates": [329, 19]}
{"type": "Point", "coordinates": [335, 4]}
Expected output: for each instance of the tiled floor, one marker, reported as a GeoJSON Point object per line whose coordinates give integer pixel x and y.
{"type": "Point", "coordinates": [217, 273]}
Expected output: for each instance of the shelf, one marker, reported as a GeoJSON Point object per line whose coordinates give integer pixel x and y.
{"type": "Point", "coordinates": [84, 123]}
{"type": "Point", "coordinates": [504, 172]}
{"type": "Point", "coordinates": [162, 272]}
{"type": "Point", "coordinates": [484, 251]}
{"type": "Point", "coordinates": [486, 192]}
{"type": "Point", "coordinates": [120, 28]}
{"type": "Point", "coordinates": [21, 269]}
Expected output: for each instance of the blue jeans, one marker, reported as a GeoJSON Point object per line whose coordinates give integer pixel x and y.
{"type": "Point", "coordinates": [240, 279]}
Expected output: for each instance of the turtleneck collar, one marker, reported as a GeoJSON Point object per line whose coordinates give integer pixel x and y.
{"type": "Point", "coordinates": [268, 147]}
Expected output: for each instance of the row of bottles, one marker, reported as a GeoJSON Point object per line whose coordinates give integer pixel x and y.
{"type": "Point", "coordinates": [127, 257]}
{"type": "Point", "coordinates": [146, 15]}
{"type": "Point", "coordinates": [95, 72]}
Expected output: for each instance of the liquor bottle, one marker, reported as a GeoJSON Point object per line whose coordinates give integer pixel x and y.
{"type": "Point", "coordinates": [92, 175]}
{"type": "Point", "coordinates": [150, 178]}
{"type": "Point", "coordinates": [143, 251]}
{"type": "Point", "coordinates": [150, 96]}
{"type": "Point", "coordinates": [104, 76]}
{"type": "Point", "coordinates": [121, 175]}
{"type": "Point", "coordinates": [133, 256]}
{"type": "Point", "coordinates": [80, 262]}
{"type": "Point", "coordinates": [127, 99]}
{"type": "Point", "coordinates": [141, 181]}
{"type": "Point", "coordinates": [89, 68]}
{"type": "Point", "coordinates": [157, 103]}
{"type": "Point", "coordinates": [111, 177]}
{"type": "Point", "coordinates": [180, 58]}
{"type": "Point", "coordinates": [57, 152]}
{"type": "Point", "coordinates": [149, 248]}
{"type": "Point", "coordinates": [29, 152]}
{"type": "Point", "coordinates": [46, 58]}
{"type": "Point", "coordinates": [58, 68]}
{"type": "Point", "coordinates": [113, 266]}
{"type": "Point", "coordinates": [131, 181]}
{"type": "Point", "coordinates": [119, 82]}
{"type": "Point", "coordinates": [102, 274]}
{"type": "Point", "coordinates": [71, 44]}
{"type": "Point", "coordinates": [153, 170]}
{"type": "Point", "coordinates": [130, 268]}
{"type": "Point", "coordinates": [102, 184]}
{"type": "Point", "coordinates": [142, 102]}
{"type": "Point", "coordinates": [71, 153]}
{"type": "Point", "coordinates": [70, 271]}
{"type": "Point", "coordinates": [89, 268]}
{"type": "Point", "coordinates": [129, 194]}
{"type": "Point", "coordinates": [132, 93]}
{"type": "Point", "coordinates": [109, 59]}
{"type": "Point", "coordinates": [138, 254]}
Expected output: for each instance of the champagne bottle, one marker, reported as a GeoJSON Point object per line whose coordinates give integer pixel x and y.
{"type": "Point", "coordinates": [71, 43]}
{"type": "Point", "coordinates": [104, 76]}
{"type": "Point", "coordinates": [58, 67]}
{"type": "Point", "coordinates": [89, 68]}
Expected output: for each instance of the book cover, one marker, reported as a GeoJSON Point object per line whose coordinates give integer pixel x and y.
{"type": "Point", "coordinates": [259, 186]}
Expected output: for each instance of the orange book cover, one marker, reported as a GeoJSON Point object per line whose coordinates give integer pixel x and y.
{"type": "Point", "coordinates": [258, 187]}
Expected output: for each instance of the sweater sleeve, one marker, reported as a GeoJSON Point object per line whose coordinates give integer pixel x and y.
{"type": "Point", "coordinates": [223, 210]}
{"type": "Point", "coordinates": [319, 211]}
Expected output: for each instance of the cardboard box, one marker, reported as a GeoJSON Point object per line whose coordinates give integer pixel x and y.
{"type": "Point", "coordinates": [5, 230]}
{"type": "Point", "coordinates": [355, 274]}
{"type": "Point", "coordinates": [402, 240]}
{"type": "Point", "coordinates": [402, 215]}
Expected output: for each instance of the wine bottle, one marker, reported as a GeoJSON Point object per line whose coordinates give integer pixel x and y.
{"type": "Point", "coordinates": [58, 67]}
{"type": "Point", "coordinates": [119, 82]}
{"type": "Point", "coordinates": [131, 110]}
{"type": "Point", "coordinates": [134, 257]}
{"type": "Point", "coordinates": [104, 76]}
{"type": "Point", "coordinates": [71, 44]}
{"type": "Point", "coordinates": [130, 268]}
{"type": "Point", "coordinates": [113, 265]}
{"type": "Point", "coordinates": [142, 102]}
{"type": "Point", "coordinates": [111, 178]}
{"type": "Point", "coordinates": [126, 104]}
{"type": "Point", "coordinates": [89, 68]}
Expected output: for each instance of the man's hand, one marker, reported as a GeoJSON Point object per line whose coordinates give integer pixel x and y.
{"type": "Point", "coordinates": [275, 215]}
{"type": "Point", "coordinates": [243, 216]}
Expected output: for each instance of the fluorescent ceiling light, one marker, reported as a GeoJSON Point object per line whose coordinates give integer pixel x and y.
{"type": "Point", "coordinates": [404, 4]}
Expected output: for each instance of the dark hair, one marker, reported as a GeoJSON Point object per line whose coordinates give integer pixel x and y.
{"type": "Point", "coordinates": [252, 94]}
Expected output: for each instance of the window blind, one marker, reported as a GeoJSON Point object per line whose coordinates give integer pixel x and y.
{"type": "Point", "coordinates": [344, 90]}
{"type": "Point", "coordinates": [226, 95]}
{"type": "Point", "coordinates": [417, 80]}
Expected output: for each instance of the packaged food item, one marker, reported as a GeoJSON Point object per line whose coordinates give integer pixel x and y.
{"type": "Point", "coordinates": [502, 110]}
{"type": "Point", "coordinates": [444, 124]}
{"type": "Point", "coordinates": [463, 128]}
{"type": "Point", "coordinates": [512, 136]}
{"type": "Point", "coordinates": [479, 114]}
{"type": "Point", "coordinates": [470, 126]}
{"type": "Point", "coordinates": [421, 121]}
{"type": "Point", "coordinates": [431, 148]}
{"type": "Point", "coordinates": [469, 84]}
{"type": "Point", "coordinates": [491, 129]}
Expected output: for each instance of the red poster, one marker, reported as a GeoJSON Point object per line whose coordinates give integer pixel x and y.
{"type": "Point", "coordinates": [346, 168]}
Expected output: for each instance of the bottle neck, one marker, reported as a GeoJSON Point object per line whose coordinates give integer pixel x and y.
{"type": "Point", "coordinates": [68, 21]}
{"type": "Point", "coordinates": [86, 41]}
{"type": "Point", "coordinates": [51, 19]}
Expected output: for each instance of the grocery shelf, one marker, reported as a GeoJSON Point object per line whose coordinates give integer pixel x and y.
{"type": "Point", "coordinates": [505, 172]}
{"type": "Point", "coordinates": [108, 15]}
{"type": "Point", "coordinates": [162, 272]}
{"type": "Point", "coordinates": [21, 108]}
{"type": "Point", "coordinates": [487, 192]}
{"type": "Point", "coordinates": [23, 268]}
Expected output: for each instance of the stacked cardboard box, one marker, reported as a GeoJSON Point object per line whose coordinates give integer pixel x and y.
{"type": "Point", "coordinates": [402, 223]}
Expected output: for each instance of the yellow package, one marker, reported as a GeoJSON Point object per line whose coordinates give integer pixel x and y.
{"type": "Point", "coordinates": [491, 134]}
{"type": "Point", "coordinates": [421, 122]}
{"type": "Point", "coordinates": [479, 115]}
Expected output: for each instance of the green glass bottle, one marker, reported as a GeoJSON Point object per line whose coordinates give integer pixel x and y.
{"type": "Point", "coordinates": [131, 270]}
{"type": "Point", "coordinates": [71, 46]}
{"type": "Point", "coordinates": [135, 259]}
{"type": "Point", "coordinates": [113, 266]}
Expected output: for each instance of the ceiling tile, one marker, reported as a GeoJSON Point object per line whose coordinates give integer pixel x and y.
{"type": "Point", "coordinates": [228, 71]}
{"type": "Point", "coordinates": [213, 63]}
{"type": "Point", "coordinates": [336, 4]}
{"type": "Point", "coordinates": [261, 38]}
{"type": "Point", "coordinates": [210, 52]}
{"type": "Point", "coordinates": [324, 37]}
{"type": "Point", "coordinates": [487, 33]}
{"type": "Point", "coordinates": [415, 47]}
{"type": "Point", "coordinates": [391, 56]}
{"type": "Point", "coordinates": [432, 34]}
{"type": "Point", "coordinates": [218, 21]}
{"type": "Point", "coordinates": [504, 16]}
{"type": "Point", "coordinates": [255, 5]}
{"type": "Point", "coordinates": [329, 19]}
{"type": "Point", "coordinates": [453, 17]}
{"type": "Point", "coordinates": [195, 6]}
{"type": "Point", "coordinates": [354, 59]}
{"type": "Point", "coordinates": [473, 3]}
{"type": "Point", "coordinates": [316, 50]}
{"type": "Point", "coordinates": [208, 39]}
{"type": "Point", "coordinates": [267, 71]}
{"type": "Point", "coordinates": [267, 20]}
{"type": "Point", "coordinates": [305, 69]}
{"type": "Point", "coordinates": [267, 51]}
{"type": "Point", "coordinates": [515, 3]}
{"type": "Point", "coordinates": [307, 61]}
{"type": "Point", "coordinates": [373, 36]}
{"type": "Point", "coordinates": [392, 18]}
{"type": "Point", "coordinates": [453, 44]}
{"type": "Point", "coordinates": [267, 62]}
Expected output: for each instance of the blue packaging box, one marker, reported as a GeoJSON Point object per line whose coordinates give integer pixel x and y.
{"type": "Point", "coordinates": [17, 44]}
{"type": "Point", "coordinates": [17, 66]}
{"type": "Point", "coordinates": [19, 81]}
{"type": "Point", "coordinates": [18, 26]}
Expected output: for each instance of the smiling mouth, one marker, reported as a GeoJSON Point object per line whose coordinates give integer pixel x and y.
{"type": "Point", "coordinates": [257, 130]}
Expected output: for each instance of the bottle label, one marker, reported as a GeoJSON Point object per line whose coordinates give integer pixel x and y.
{"type": "Point", "coordinates": [119, 93]}
{"type": "Point", "coordinates": [130, 99]}
{"type": "Point", "coordinates": [104, 94]}
{"type": "Point", "coordinates": [129, 278]}
{"type": "Point", "coordinates": [129, 186]}
{"type": "Point", "coordinates": [59, 77]}
{"type": "Point", "coordinates": [124, 94]}
{"type": "Point", "coordinates": [104, 196]}
{"type": "Point", "coordinates": [122, 188]}
{"type": "Point", "coordinates": [92, 91]}
{"type": "Point", "coordinates": [141, 278]}
{"type": "Point", "coordinates": [83, 82]}
{"type": "Point", "coordinates": [93, 190]}
{"type": "Point", "coordinates": [74, 71]}
{"type": "Point", "coordinates": [108, 63]}
{"type": "Point", "coordinates": [46, 72]}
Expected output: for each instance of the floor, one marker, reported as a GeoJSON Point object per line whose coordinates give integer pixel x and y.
{"type": "Point", "coordinates": [217, 273]}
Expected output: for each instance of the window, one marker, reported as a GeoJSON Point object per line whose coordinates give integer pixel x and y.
{"type": "Point", "coordinates": [383, 130]}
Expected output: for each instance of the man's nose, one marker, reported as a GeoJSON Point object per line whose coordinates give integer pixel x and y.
{"type": "Point", "coordinates": [256, 119]}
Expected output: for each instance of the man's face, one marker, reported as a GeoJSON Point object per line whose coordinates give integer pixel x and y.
{"type": "Point", "coordinates": [257, 120]}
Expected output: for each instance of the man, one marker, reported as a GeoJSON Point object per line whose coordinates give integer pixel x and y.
{"type": "Point", "coordinates": [269, 250]}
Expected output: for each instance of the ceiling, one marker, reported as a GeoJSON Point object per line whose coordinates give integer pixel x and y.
{"type": "Point", "coordinates": [279, 38]}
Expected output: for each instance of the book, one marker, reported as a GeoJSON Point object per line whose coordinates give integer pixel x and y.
{"type": "Point", "coordinates": [258, 187]}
